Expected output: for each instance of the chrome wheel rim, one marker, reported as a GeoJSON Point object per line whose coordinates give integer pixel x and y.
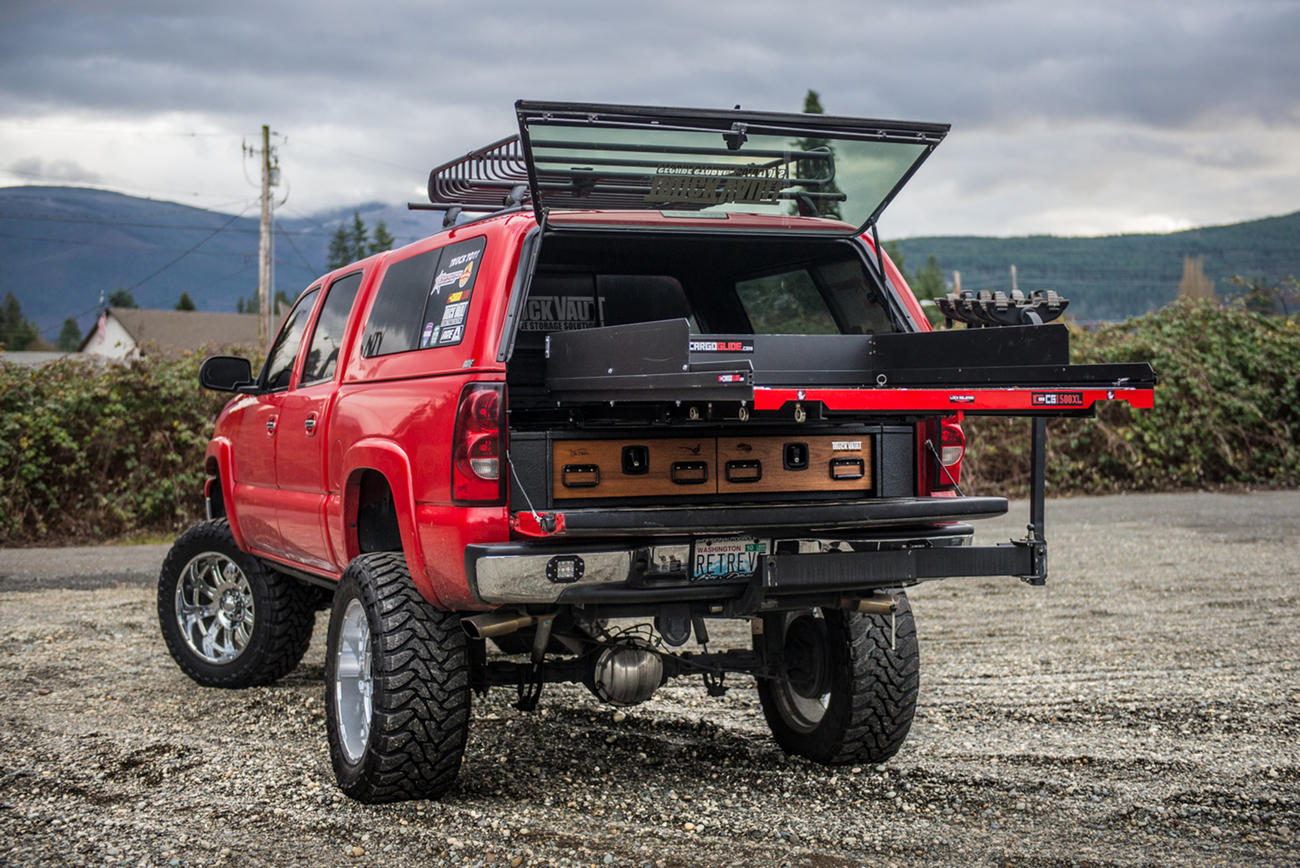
{"type": "Point", "coordinates": [803, 690]}
{"type": "Point", "coordinates": [353, 685]}
{"type": "Point", "coordinates": [214, 608]}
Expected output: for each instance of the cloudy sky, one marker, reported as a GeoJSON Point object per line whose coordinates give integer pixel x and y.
{"type": "Point", "coordinates": [1068, 118]}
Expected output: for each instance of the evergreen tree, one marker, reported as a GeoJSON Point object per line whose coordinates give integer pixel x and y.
{"type": "Point", "coordinates": [122, 298]}
{"type": "Point", "coordinates": [927, 281]}
{"type": "Point", "coordinates": [69, 336]}
{"type": "Point", "coordinates": [16, 331]}
{"type": "Point", "coordinates": [185, 302]}
{"type": "Point", "coordinates": [812, 105]}
{"type": "Point", "coordinates": [383, 240]}
{"type": "Point", "coordinates": [340, 253]}
{"type": "Point", "coordinates": [350, 243]}
{"type": "Point", "coordinates": [358, 237]}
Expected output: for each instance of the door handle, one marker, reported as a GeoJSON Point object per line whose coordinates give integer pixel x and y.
{"type": "Point", "coordinates": [310, 424]}
{"type": "Point", "coordinates": [270, 426]}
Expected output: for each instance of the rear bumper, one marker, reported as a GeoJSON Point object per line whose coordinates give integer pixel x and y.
{"type": "Point", "coordinates": [656, 571]}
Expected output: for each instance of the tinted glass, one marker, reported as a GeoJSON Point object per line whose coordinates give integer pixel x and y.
{"type": "Point", "coordinates": [279, 364]}
{"type": "Point", "coordinates": [323, 352]}
{"type": "Point", "coordinates": [791, 166]}
{"type": "Point", "coordinates": [394, 323]}
{"type": "Point", "coordinates": [853, 298]}
{"type": "Point", "coordinates": [786, 304]}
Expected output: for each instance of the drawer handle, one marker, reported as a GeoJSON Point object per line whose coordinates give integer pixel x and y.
{"type": "Point", "coordinates": [689, 472]}
{"type": "Point", "coordinates": [744, 471]}
{"type": "Point", "coordinates": [848, 468]}
{"type": "Point", "coordinates": [580, 475]}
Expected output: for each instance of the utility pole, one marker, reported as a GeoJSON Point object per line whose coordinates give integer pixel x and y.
{"type": "Point", "coordinates": [264, 248]}
{"type": "Point", "coordinates": [265, 242]}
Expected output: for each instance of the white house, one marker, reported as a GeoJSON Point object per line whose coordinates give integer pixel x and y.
{"type": "Point", "coordinates": [128, 332]}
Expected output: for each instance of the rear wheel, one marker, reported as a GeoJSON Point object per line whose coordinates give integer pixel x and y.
{"type": "Point", "coordinates": [843, 691]}
{"type": "Point", "coordinates": [396, 685]}
{"type": "Point", "coordinates": [228, 620]}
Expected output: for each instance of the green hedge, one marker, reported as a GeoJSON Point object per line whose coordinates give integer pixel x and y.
{"type": "Point", "coordinates": [94, 452]}
{"type": "Point", "coordinates": [1227, 411]}
{"type": "Point", "coordinates": [91, 452]}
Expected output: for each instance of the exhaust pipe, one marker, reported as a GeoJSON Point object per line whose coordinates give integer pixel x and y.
{"type": "Point", "coordinates": [878, 605]}
{"type": "Point", "coordinates": [491, 624]}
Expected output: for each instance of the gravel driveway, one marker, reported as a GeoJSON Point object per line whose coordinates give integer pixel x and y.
{"type": "Point", "coordinates": [1143, 708]}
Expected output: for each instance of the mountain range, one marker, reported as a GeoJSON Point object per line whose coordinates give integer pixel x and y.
{"type": "Point", "coordinates": [64, 246]}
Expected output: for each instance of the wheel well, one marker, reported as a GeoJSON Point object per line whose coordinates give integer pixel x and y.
{"type": "Point", "coordinates": [376, 519]}
{"type": "Point", "coordinates": [216, 501]}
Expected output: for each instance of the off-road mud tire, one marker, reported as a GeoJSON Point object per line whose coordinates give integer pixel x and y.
{"type": "Point", "coordinates": [282, 607]}
{"type": "Point", "coordinates": [420, 677]}
{"type": "Point", "coordinates": [871, 686]}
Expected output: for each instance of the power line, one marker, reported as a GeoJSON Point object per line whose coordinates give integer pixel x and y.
{"type": "Point", "coordinates": [35, 218]}
{"type": "Point", "coordinates": [303, 259]}
{"type": "Point", "coordinates": [199, 244]}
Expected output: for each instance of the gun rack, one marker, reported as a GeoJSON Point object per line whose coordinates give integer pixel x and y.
{"type": "Point", "coordinates": [985, 308]}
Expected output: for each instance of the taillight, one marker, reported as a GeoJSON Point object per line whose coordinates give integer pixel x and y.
{"type": "Point", "coordinates": [476, 446]}
{"type": "Point", "coordinates": [950, 443]}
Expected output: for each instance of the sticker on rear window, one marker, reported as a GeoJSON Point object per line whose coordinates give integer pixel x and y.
{"type": "Point", "coordinates": [447, 307]}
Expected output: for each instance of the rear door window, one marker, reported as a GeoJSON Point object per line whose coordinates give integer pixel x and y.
{"type": "Point", "coordinates": [327, 338]}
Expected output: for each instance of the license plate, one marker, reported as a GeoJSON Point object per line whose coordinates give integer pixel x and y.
{"type": "Point", "coordinates": [725, 558]}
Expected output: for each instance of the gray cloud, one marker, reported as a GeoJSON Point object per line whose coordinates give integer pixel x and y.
{"type": "Point", "coordinates": [408, 84]}
{"type": "Point", "coordinates": [1159, 63]}
{"type": "Point", "coordinates": [56, 171]}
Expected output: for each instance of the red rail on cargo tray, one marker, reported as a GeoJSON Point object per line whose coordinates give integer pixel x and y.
{"type": "Point", "coordinates": [977, 400]}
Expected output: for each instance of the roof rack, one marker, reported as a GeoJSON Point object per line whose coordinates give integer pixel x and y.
{"type": "Point", "coordinates": [490, 179]}
{"type": "Point", "coordinates": [495, 178]}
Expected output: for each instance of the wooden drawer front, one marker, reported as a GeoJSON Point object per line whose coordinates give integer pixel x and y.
{"type": "Point", "coordinates": [761, 464]}
{"type": "Point", "coordinates": [595, 468]}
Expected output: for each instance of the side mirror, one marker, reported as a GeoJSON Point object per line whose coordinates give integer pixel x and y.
{"type": "Point", "coordinates": [227, 374]}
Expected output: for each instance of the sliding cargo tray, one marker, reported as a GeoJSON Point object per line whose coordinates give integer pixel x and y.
{"type": "Point", "coordinates": [1012, 370]}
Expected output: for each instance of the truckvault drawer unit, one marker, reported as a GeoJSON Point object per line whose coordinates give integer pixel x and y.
{"type": "Point", "coordinates": [618, 468]}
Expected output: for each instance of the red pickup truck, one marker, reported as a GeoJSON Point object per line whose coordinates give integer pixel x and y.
{"type": "Point", "coordinates": [655, 367]}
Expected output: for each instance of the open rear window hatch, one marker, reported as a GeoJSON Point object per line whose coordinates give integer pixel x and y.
{"type": "Point", "coordinates": [690, 169]}
{"type": "Point", "coordinates": [812, 172]}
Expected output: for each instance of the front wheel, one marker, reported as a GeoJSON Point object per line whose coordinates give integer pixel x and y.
{"type": "Point", "coordinates": [845, 683]}
{"type": "Point", "coordinates": [396, 685]}
{"type": "Point", "coordinates": [227, 619]}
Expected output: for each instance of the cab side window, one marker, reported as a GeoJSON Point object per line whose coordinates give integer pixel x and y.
{"type": "Point", "coordinates": [327, 337]}
{"type": "Point", "coordinates": [279, 363]}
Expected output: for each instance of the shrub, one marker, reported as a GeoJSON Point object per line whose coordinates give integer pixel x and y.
{"type": "Point", "coordinates": [1227, 410]}
{"type": "Point", "coordinates": [90, 451]}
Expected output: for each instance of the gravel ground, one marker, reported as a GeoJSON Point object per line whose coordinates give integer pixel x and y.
{"type": "Point", "coordinates": [1141, 709]}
